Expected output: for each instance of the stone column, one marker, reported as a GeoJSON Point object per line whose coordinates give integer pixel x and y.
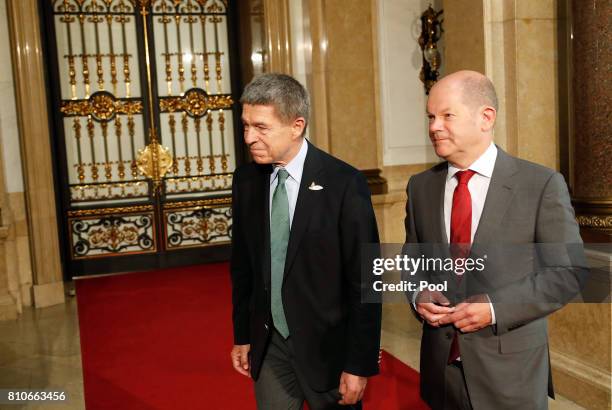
{"type": "Point", "coordinates": [32, 114]}
{"type": "Point", "coordinates": [591, 158]}
{"type": "Point", "coordinates": [278, 35]}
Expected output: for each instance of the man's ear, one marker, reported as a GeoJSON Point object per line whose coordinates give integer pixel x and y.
{"type": "Point", "coordinates": [298, 126]}
{"type": "Point", "coordinates": [487, 116]}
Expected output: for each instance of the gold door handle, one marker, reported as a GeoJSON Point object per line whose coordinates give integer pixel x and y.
{"type": "Point", "coordinates": [154, 161]}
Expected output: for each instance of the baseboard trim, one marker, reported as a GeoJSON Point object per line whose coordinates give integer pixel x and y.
{"type": "Point", "coordinates": [580, 382]}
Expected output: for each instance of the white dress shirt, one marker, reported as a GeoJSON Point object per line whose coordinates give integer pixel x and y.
{"type": "Point", "coordinates": [478, 186]}
{"type": "Point", "coordinates": [295, 168]}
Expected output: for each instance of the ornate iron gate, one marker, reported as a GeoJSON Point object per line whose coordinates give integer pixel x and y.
{"type": "Point", "coordinates": [145, 109]}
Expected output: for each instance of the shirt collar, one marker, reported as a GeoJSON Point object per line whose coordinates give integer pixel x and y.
{"type": "Point", "coordinates": [483, 165]}
{"type": "Point", "coordinates": [295, 167]}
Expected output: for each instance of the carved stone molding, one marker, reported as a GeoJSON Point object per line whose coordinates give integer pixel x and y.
{"type": "Point", "coordinates": [595, 219]}
{"type": "Point", "coordinates": [376, 182]}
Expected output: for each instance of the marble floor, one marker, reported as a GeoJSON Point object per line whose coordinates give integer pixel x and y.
{"type": "Point", "coordinates": [41, 350]}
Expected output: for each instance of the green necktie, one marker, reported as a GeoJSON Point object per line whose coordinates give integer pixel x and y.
{"type": "Point", "coordinates": [279, 238]}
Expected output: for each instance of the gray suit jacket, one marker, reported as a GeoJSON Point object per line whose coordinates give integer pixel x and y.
{"type": "Point", "coordinates": [506, 366]}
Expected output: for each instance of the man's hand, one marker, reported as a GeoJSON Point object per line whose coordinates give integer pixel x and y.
{"type": "Point", "coordinates": [351, 388]}
{"type": "Point", "coordinates": [471, 315]}
{"type": "Point", "coordinates": [240, 359]}
{"type": "Point", "coordinates": [432, 307]}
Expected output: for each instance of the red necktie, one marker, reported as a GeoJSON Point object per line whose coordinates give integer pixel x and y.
{"type": "Point", "coordinates": [460, 233]}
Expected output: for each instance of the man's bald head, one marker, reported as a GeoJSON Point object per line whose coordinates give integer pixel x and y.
{"type": "Point", "coordinates": [475, 88]}
{"type": "Point", "coordinates": [462, 108]}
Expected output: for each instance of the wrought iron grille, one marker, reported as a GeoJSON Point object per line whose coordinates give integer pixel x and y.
{"type": "Point", "coordinates": [147, 115]}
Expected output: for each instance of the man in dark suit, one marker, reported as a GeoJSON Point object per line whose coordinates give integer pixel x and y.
{"type": "Point", "coordinates": [485, 342]}
{"type": "Point", "coordinates": [300, 218]}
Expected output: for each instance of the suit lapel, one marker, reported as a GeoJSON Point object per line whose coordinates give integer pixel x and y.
{"type": "Point", "coordinates": [499, 197]}
{"type": "Point", "coordinates": [436, 198]}
{"type": "Point", "coordinates": [264, 202]}
{"type": "Point", "coordinates": [306, 202]}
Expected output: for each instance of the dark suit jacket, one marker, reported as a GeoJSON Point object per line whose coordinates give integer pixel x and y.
{"type": "Point", "coordinates": [506, 366]}
{"type": "Point", "coordinates": [332, 331]}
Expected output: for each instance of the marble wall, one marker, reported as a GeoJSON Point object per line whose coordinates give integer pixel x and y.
{"type": "Point", "coordinates": [19, 258]}
{"type": "Point", "coordinates": [515, 44]}
{"type": "Point", "coordinates": [464, 35]}
{"type": "Point", "coordinates": [402, 95]}
{"type": "Point", "coordinates": [8, 115]}
{"type": "Point", "coordinates": [332, 51]}
{"type": "Point", "coordinates": [16, 272]}
{"type": "Point", "coordinates": [522, 60]}
{"type": "Point", "coordinates": [352, 82]}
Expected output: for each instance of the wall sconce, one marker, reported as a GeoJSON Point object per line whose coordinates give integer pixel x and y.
{"type": "Point", "coordinates": [431, 31]}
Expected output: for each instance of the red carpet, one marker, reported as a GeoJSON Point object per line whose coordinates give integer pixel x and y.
{"type": "Point", "coordinates": [161, 340]}
{"type": "Point", "coordinates": [395, 388]}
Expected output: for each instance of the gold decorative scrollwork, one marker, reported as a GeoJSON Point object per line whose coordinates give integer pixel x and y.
{"type": "Point", "coordinates": [196, 103]}
{"type": "Point", "coordinates": [144, 6]}
{"type": "Point", "coordinates": [202, 203]}
{"type": "Point", "coordinates": [196, 227]}
{"type": "Point", "coordinates": [200, 226]}
{"type": "Point", "coordinates": [113, 237]}
{"type": "Point", "coordinates": [595, 221]}
{"type": "Point", "coordinates": [154, 161]}
{"type": "Point", "coordinates": [112, 234]}
{"type": "Point", "coordinates": [110, 211]}
{"type": "Point", "coordinates": [102, 106]}
{"type": "Point", "coordinates": [107, 191]}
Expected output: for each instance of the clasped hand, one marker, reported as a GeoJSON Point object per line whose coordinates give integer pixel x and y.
{"type": "Point", "coordinates": [468, 316]}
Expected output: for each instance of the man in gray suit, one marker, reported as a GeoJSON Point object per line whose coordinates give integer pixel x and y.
{"type": "Point", "coordinates": [485, 343]}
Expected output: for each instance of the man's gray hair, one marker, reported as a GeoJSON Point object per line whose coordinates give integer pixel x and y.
{"type": "Point", "coordinates": [479, 91]}
{"type": "Point", "coordinates": [284, 92]}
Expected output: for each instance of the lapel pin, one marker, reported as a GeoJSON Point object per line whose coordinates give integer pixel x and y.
{"type": "Point", "coordinates": [315, 187]}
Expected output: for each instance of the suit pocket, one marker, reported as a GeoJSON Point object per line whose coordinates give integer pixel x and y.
{"type": "Point", "coordinates": [522, 339]}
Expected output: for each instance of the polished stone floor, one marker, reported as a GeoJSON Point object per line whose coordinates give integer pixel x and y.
{"type": "Point", "coordinates": [41, 350]}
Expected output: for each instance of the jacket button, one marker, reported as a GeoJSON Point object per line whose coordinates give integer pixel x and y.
{"type": "Point", "coordinates": [449, 336]}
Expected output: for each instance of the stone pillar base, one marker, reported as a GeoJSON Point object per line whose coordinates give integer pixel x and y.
{"type": "Point", "coordinates": [580, 382]}
{"type": "Point", "coordinates": [48, 294]}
